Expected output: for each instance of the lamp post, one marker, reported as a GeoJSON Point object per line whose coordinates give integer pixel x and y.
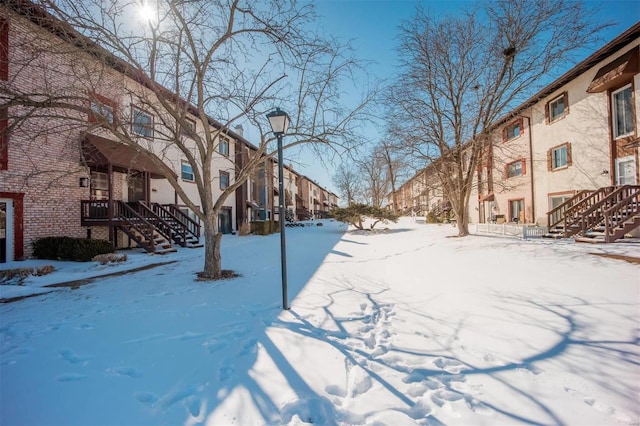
{"type": "Point", "coordinates": [279, 121]}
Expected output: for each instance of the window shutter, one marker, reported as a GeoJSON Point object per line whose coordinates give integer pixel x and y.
{"type": "Point", "coordinates": [505, 171]}
{"type": "Point", "coordinates": [4, 138]}
{"type": "Point", "coordinates": [569, 161]}
{"type": "Point", "coordinates": [565, 99]}
{"type": "Point", "coordinates": [549, 163]}
{"type": "Point", "coordinates": [521, 125]}
{"type": "Point", "coordinates": [504, 134]}
{"type": "Point", "coordinates": [546, 113]}
{"type": "Point", "coordinates": [4, 49]}
{"type": "Point", "coordinates": [524, 166]}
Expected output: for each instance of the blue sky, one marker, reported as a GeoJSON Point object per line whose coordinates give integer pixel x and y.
{"type": "Point", "coordinates": [372, 27]}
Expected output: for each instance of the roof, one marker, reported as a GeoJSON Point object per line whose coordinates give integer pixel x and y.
{"type": "Point", "coordinates": [102, 152]}
{"type": "Point", "coordinates": [40, 17]}
{"type": "Point", "coordinates": [592, 60]}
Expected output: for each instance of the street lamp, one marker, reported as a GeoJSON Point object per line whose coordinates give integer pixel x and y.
{"type": "Point", "coordinates": [279, 121]}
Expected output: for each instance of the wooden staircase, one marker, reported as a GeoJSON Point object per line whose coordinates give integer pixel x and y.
{"type": "Point", "coordinates": [604, 215]}
{"type": "Point", "coordinates": [146, 234]}
{"type": "Point", "coordinates": [152, 226]}
{"type": "Point", "coordinates": [184, 231]}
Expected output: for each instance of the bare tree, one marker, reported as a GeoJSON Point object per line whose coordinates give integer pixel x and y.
{"type": "Point", "coordinates": [222, 62]}
{"type": "Point", "coordinates": [374, 176]}
{"type": "Point", "coordinates": [348, 182]}
{"type": "Point", "coordinates": [460, 74]}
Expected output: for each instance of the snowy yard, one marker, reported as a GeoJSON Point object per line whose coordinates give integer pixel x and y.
{"type": "Point", "coordinates": [401, 327]}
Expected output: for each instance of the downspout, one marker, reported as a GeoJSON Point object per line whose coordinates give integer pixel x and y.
{"type": "Point", "coordinates": [533, 200]}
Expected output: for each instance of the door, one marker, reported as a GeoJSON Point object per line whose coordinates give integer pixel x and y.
{"type": "Point", "coordinates": [516, 208]}
{"type": "Point", "coordinates": [136, 184]}
{"type": "Point", "coordinates": [6, 231]}
{"type": "Point", "coordinates": [224, 221]}
{"type": "Point", "coordinates": [625, 171]}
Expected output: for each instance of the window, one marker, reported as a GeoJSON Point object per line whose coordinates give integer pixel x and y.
{"type": "Point", "coordinates": [101, 109]}
{"type": "Point", "coordinates": [142, 123]}
{"type": "Point", "coordinates": [515, 168]}
{"type": "Point", "coordinates": [189, 125]}
{"type": "Point", "coordinates": [512, 131]}
{"type": "Point", "coordinates": [4, 138]}
{"type": "Point", "coordinates": [4, 49]}
{"type": "Point", "coordinates": [557, 108]}
{"type": "Point", "coordinates": [223, 146]}
{"type": "Point", "coordinates": [622, 112]}
{"type": "Point", "coordinates": [559, 157]}
{"type": "Point", "coordinates": [187, 172]}
{"type": "Point", "coordinates": [555, 201]}
{"type": "Point", "coordinates": [224, 180]}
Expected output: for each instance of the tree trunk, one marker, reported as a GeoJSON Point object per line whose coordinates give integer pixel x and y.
{"type": "Point", "coordinates": [212, 257]}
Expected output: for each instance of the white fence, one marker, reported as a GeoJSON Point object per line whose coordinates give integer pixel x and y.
{"type": "Point", "coordinates": [512, 230]}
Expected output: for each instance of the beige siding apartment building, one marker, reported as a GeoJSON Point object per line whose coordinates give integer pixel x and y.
{"type": "Point", "coordinates": [577, 135]}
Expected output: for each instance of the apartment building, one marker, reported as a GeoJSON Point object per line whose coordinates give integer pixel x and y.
{"type": "Point", "coordinates": [65, 171]}
{"type": "Point", "coordinates": [576, 138]}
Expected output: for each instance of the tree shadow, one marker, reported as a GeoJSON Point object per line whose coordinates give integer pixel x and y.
{"type": "Point", "coordinates": [442, 375]}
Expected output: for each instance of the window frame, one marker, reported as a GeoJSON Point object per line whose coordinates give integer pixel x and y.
{"type": "Point", "coordinates": [551, 157]}
{"type": "Point", "coordinates": [99, 100]}
{"type": "Point", "coordinates": [549, 117]}
{"type": "Point", "coordinates": [519, 124]}
{"type": "Point", "coordinates": [184, 163]}
{"type": "Point", "coordinates": [227, 179]}
{"type": "Point", "coordinates": [223, 141]}
{"type": "Point", "coordinates": [507, 167]}
{"type": "Point", "coordinates": [614, 110]}
{"type": "Point", "coordinates": [137, 111]}
{"type": "Point", "coordinates": [192, 126]}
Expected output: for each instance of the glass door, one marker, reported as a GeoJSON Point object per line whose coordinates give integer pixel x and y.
{"type": "Point", "coordinates": [625, 171]}
{"type": "Point", "coordinates": [3, 231]}
{"type": "Point", "coordinates": [6, 230]}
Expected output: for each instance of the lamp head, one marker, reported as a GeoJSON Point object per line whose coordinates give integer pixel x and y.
{"type": "Point", "coordinates": [279, 121]}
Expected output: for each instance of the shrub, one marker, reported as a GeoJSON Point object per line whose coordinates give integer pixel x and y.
{"type": "Point", "coordinates": [433, 218]}
{"type": "Point", "coordinates": [103, 259]}
{"type": "Point", "coordinates": [245, 229]}
{"type": "Point", "coordinates": [17, 276]}
{"type": "Point", "coordinates": [67, 248]}
{"type": "Point", "coordinates": [356, 214]}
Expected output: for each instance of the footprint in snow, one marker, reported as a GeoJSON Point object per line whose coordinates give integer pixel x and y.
{"type": "Point", "coordinates": [125, 371]}
{"type": "Point", "coordinates": [70, 377]}
{"type": "Point", "coordinates": [146, 397]}
{"type": "Point", "coordinates": [449, 365]}
{"type": "Point", "coordinates": [620, 416]}
{"type": "Point", "coordinates": [71, 357]}
{"type": "Point", "coordinates": [225, 373]}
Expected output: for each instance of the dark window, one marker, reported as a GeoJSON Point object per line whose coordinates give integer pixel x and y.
{"type": "Point", "coordinates": [224, 180]}
{"type": "Point", "coordinates": [4, 49]}
{"type": "Point", "coordinates": [189, 125]}
{"type": "Point", "coordinates": [142, 123]}
{"type": "Point", "coordinates": [622, 111]}
{"type": "Point", "coordinates": [515, 169]}
{"type": "Point", "coordinates": [512, 130]}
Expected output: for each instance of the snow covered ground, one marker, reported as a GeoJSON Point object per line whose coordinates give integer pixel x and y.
{"type": "Point", "coordinates": [407, 326]}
